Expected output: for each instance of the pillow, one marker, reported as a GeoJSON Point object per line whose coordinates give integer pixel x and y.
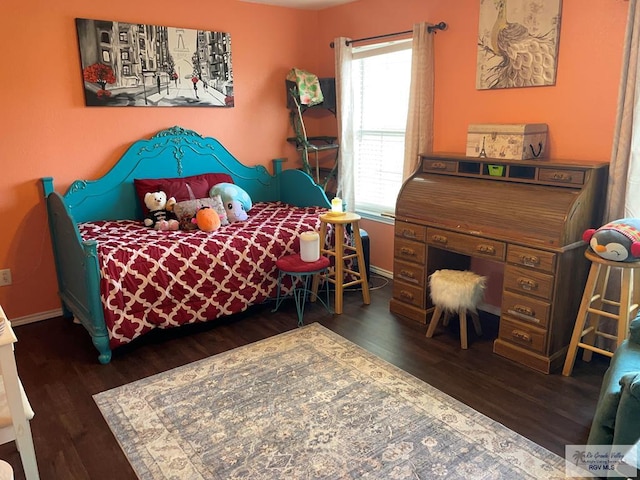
{"type": "Point", "coordinates": [236, 201]}
{"type": "Point", "coordinates": [186, 210]}
{"type": "Point", "coordinates": [180, 188]}
{"type": "Point", "coordinates": [230, 192]}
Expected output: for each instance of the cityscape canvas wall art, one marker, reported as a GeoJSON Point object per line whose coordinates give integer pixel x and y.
{"type": "Point", "coordinates": [131, 64]}
{"type": "Point", "coordinates": [517, 43]}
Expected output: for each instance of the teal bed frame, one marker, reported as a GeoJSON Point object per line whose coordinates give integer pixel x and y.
{"type": "Point", "coordinates": [175, 152]}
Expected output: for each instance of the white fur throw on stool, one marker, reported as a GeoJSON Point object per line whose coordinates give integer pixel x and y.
{"type": "Point", "coordinates": [456, 289]}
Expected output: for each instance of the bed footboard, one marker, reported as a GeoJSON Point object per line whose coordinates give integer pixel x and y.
{"type": "Point", "coordinates": [78, 272]}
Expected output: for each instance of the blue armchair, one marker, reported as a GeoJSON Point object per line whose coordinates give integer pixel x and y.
{"type": "Point", "coordinates": [617, 417]}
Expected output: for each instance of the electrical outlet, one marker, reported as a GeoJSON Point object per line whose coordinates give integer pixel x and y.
{"type": "Point", "coordinates": [5, 277]}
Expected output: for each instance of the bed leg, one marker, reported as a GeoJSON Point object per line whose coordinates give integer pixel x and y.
{"type": "Point", "coordinates": [66, 312]}
{"type": "Point", "coordinates": [102, 344]}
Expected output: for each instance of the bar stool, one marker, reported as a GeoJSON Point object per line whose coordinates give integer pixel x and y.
{"type": "Point", "coordinates": [342, 252]}
{"type": "Point", "coordinates": [456, 291]}
{"type": "Point", "coordinates": [594, 301]}
{"type": "Point", "coordinates": [300, 272]}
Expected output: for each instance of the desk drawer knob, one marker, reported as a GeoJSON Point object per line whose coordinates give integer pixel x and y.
{"type": "Point", "coordinates": [527, 284]}
{"type": "Point", "coordinates": [522, 336]}
{"type": "Point", "coordinates": [407, 295]}
{"type": "Point", "coordinates": [407, 274]}
{"type": "Point", "coordinates": [407, 233]}
{"type": "Point", "coordinates": [530, 260]}
{"type": "Point", "coordinates": [408, 251]}
{"type": "Point", "coordinates": [438, 166]}
{"type": "Point", "coordinates": [562, 177]}
{"type": "Point", "coordinates": [439, 239]}
{"type": "Point", "coordinates": [524, 310]}
{"type": "Point", "coordinates": [486, 249]}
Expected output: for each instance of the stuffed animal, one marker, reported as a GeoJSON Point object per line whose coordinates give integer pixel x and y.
{"type": "Point", "coordinates": [159, 217]}
{"type": "Point", "coordinates": [236, 201]}
{"type": "Point", "coordinates": [618, 240]}
{"type": "Point", "coordinates": [207, 219]}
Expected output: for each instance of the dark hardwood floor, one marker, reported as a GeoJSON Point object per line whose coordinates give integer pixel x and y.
{"type": "Point", "coordinates": [60, 372]}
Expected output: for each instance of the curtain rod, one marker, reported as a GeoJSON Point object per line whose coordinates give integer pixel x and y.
{"type": "Point", "coordinates": [430, 29]}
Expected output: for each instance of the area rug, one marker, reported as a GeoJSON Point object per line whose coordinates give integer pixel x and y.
{"type": "Point", "coordinates": [309, 404]}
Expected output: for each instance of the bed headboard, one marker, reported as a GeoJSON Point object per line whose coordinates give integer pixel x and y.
{"type": "Point", "coordinates": [175, 152]}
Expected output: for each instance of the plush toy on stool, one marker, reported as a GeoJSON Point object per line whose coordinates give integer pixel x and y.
{"type": "Point", "coordinates": [618, 241]}
{"type": "Point", "coordinates": [614, 247]}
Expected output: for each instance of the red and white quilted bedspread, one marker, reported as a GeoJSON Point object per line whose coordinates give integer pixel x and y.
{"type": "Point", "coordinates": [152, 279]}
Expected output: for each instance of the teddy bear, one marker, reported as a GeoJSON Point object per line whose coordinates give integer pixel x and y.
{"type": "Point", "coordinates": [618, 240]}
{"type": "Point", "coordinates": [160, 216]}
{"type": "Point", "coordinates": [235, 200]}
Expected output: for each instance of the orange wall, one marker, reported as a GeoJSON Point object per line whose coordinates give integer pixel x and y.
{"type": "Point", "coordinates": [579, 109]}
{"type": "Point", "coordinates": [47, 130]}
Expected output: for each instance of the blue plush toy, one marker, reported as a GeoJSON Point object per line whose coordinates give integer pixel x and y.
{"type": "Point", "coordinates": [618, 240]}
{"type": "Point", "coordinates": [236, 201]}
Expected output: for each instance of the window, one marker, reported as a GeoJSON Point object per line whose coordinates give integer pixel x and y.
{"type": "Point", "coordinates": [381, 81]}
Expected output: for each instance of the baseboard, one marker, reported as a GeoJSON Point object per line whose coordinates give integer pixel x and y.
{"type": "Point", "coordinates": [381, 272]}
{"type": "Point", "coordinates": [492, 309]}
{"type": "Point", "coordinates": [36, 317]}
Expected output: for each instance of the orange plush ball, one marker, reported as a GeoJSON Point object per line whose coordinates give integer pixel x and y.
{"type": "Point", "coordinates": [207, 219]}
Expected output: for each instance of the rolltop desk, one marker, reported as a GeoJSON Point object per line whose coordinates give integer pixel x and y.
{"type": "Point", "coordinates": [526, 214]}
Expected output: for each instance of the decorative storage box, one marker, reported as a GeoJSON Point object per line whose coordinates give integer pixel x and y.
{"type": "Point", "coordinates": [517, 141]}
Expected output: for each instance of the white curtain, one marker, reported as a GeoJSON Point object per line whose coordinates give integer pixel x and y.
{"type": "Point", "coordinates": [344, 93]}
{"type": "Point", "coordinates": [623, 195]}
{"type": "Point", "coordinates": [419, 132]}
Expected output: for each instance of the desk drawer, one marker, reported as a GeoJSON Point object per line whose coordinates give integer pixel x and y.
{"type": "Point", "coordinates": [466, 244]}
{"type": "Point", "coordinates": [528, 282]}
{"type": "Point", "coordinates": [411, 231]}
{"type": "Point", "coordinates": [529, 257]}
{"type": "Point", "coordinates": [409, 250]}
{"type": "Point", "coordinates": [561, 176]}
{"type": "Point", "coordinates": [526, 309]}
{"type": "Point", "coordinates": [439, 166]}
{"type": "Point", "coordinates": [410, 294]}
{"type": "Point", "coordinates": [522, 334]}
{"type": "Point", "coordinates": [410, 272]}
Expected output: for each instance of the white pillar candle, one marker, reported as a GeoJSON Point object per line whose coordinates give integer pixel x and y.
{"type": "Point", "coordinates": [336, 205]}
{"type": "Point", "coordinates": [309, 246]}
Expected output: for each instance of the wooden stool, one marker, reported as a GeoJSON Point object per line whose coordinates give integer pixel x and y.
{"type": "Point", "coordinates": [456, 291]}
{"type": "Point", "coordinates": [300, 272]}
{"type": "Point", "coordinates": [341, 253]}
{"type": "Point", "coordinates": [594, 301]}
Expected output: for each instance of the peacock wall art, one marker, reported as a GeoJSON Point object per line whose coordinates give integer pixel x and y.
{"type": "Point", "coordinates": [517, 43]}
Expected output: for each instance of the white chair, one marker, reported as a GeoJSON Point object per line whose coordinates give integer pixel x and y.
{"type": "Point", "coordinates": [7, 432]}
{"type": "Point", "coordinates": [6, 472]}
{"type": "Point", "coordinates": [15, 410]}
